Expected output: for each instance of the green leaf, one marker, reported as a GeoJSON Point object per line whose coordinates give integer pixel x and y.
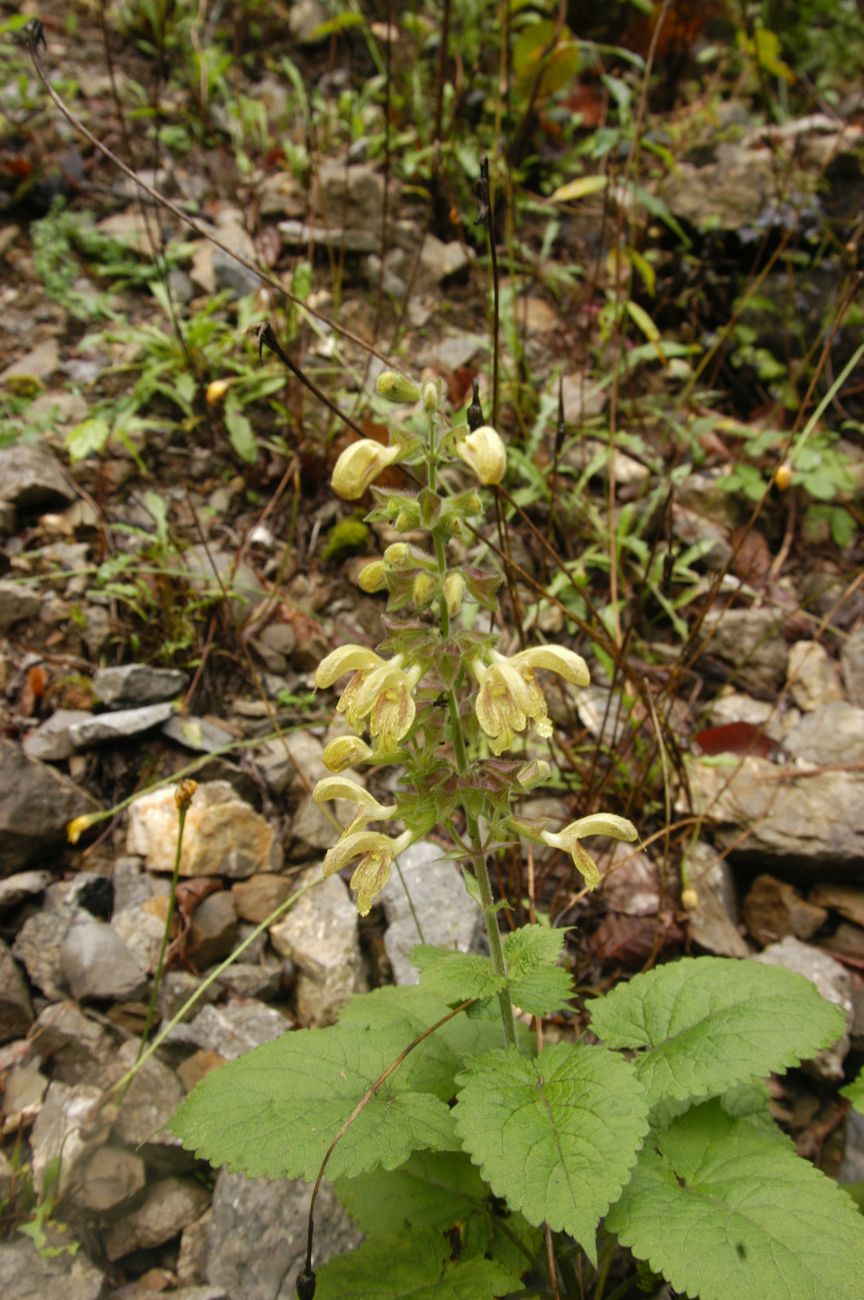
{"type": "Point", "coordinates": [708, 1023]}
{"type": "Point", "coordinates": [579, 188]}
{"type": "Point", "coordinates": [855, 1092]}
{"type": "Point", "coordinates": [722, 1209]}
{"type": "Point", "coordinates": [87, 437]}
{"type": "Point", "coordinates": [454, 976]}
{"type": "Point", "coordinates": [415, 1265]}
{"type": "Point", "coordinates": [433, 1189]}
{"type": "Point", "coordinates": [274, 1112]}
{"type": "Point", "coordinates": [240, 432]}
{"type": "Point", "coordinates": [537, 984]}
{"type": "Point", "coordinates": [555, 1136]}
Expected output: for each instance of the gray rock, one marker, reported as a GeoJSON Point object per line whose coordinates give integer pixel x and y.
{"type": "Point", "coordinates": [731, 192]}
{"type": "Point", "coordinates": [243, 980]}
{"type": "Point", "coordinates": [852, 665]}
{"type": "Point", "coordinates": [213, 929]}
{"type": "Point", "coordinates": [440, 260]}
{"type": "Point", "coordinates": [765, 714]}
{"type": "Point", "coordinates": [233, 275]}
{"type": "Point", "coordinates": [149, 1102]}
{"type": "Point", "coordinates": [814, 823]}
{"type": "Point", "coordinates": [169, 1205]}
{"type": "Point", "coordinates": [450, 919]}
{"type": "Point", "coordinates": [319, 935]}
{"type": "Point", "coordinates": [7, 1175]}
{"type": "Point", "coordinates": [31, 476]}
{"type": "Point", "coordinates": [223, 836]}
{"type": "Point", "coordinates": [23, 885]}
{"type": "Point", "coordinates": [16, 1011]}
{"type": "Point", "coordinates": [813, 676]}
{"type": "Point", "coordinates": [76, 1046]}
{"type": "Point", "coordinates": [17, 603]}
{"type": "Point", "coordinates": [304, 18]}
{"type": "Point", "coordinates": [132, 885]}
{"type": "Point", "coordinates": [118, 726]}
{"type": "Point", "coordinates": [39, 945]}
{"type": "Point", "coordinates": [36, 803]}
{"type": "Point", "coordinates": [256, 1241]}
{"type": "Point", "coordinates": [27, 1275]}
{"type": "Point", "coordinates": [52, 741]}
{"type": "Point", "coordinates": [70, 1125]}
{"type": "Point", "coordinates": [630, 882]}
{"type": "Point", "coordinates": [312, 828]}
{"type": "Point", "coordinates": [217, 574]}
{"type": "Point", "coordinates": [691, 528]}
{"type": "Point", "coordinates": [134, 685]}
{"type": "Point", "coordinates": [97, 964]}
{"type": "Point", "coordinates": [110, 1176]}
{"type": "Point", "coordinates": [833, 982]}
{"type": "Point", "coordinates": [175, 991]}
{"type": "Point", "coordinates": [713, 922]}
{"type": "Point", "coordinates": [852, 1168]}
{"type": "Point", "coordinates": [232, 1029]}
{"type": "Point", "coordinates": [199, 734]}
{"type": "Point", "coordinates": [142, 933]}
{"type": "Point", "coordinates": [23, 1093]}
{"type": "Point", "coordinates": [750, 641]}
{"type": "Point", "coordinates": [834, 733]}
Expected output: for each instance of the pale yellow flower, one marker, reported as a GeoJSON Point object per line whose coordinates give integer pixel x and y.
{"type": "Point", "coordinates": [376, 853]}
{"type": "Point", "coordinates": [380, 693]}
{"type": "Point", "coordinates": [359, 466]}
{"type": "Point", "coordinates": [373, 576]}
{"type": "Point", "coordinates": [509, 695]}
{"type": "Point", "coordinates": [76, 828]}
{"type": "Point", "coordinates": [368, 807]}
{"type": "Point", "coordinates": [484, 453]}
{"type": "Point", "coordinates": [345, 751]}
{"type": "Point", "coordinates": [619, 828]}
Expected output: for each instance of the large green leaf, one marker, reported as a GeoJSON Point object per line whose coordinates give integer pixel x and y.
{"type": "Point", "coordinates": [723, 1209]}
{"type": "Point", "coordinates": [708, 1023]}
{"type": "Point", "coordinates": [274, 1112]}
{"type": "Point", "coordinates": [433, 1189]}
{"type": "Point", "coordinates": [415, 1265]}
{"type": "Point", "coordinates": [555, 1136]}
{"type": "Point", "coordinates": [454, 976]}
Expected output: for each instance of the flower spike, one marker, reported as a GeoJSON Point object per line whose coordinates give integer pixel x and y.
{"type": "Point", "coordinates": [380, 690]}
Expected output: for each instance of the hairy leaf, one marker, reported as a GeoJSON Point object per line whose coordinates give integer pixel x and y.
{"type": "Point", "coordinates": [708, 1023]}
{"type": "Point", "coordinates": [274, 1112]}
{"type": "Point", "coordinates": [537, 984]}
{"type": "Point", "coordinates": [454, 976]}
{"type": "Point", "coordinates": [415, 1265]}
{"type": "Point", "coordinates": [722, 1209]}
{"type": "Point", "coordinates": [555, 1136]}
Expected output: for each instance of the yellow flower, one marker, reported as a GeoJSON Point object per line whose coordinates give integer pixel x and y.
{"type": "Point", "coordinates": [484, 453]}
{"type": "Point", "coordinates": [359, 465]}
{"type": "Point", "coordinates": [76, 828]}
{"type": "Point", "coordinates": [380, 690]}
{"type": "Point", "coordinates": [216, 391]}
{"type": "Point", "coordinates": [509, 695]}
{"type": "Point", "coordinates": [345, 751]}
{"type": "Point", "coordinates": [454, 592]}
{"type": "Point", "coordinates": [368, 807]}
{"type": "Point", "coordinates": [376, 853]}
{"type": "Point", "coordinates": [597, 824]}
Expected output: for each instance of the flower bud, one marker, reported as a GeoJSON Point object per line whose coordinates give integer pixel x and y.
{"type": "Point", "coordinates": [216, 391]}
{"type": "Point", "coordinates": [359, 466]}
{"type": "Point", "coordinates": [394, 387]}
{"type": "Point", "coordinates": [485, 453]}
{"type": "Point", "coordinates": [783, 476]}
{"type": "Point", "coordinates": [398, 555]}
{"type": "Point", "coordinates": [373, 577]}
{"type": "Point", "coordinates": [689, 899]}
{"type": "Point", "coordinates": [345, 751]}
{"type": "Point", "coordinates": [454, 592]}
{"type": "Point", "coordinates": [536, 772]}
{"type": "Point", "coordinates": [430, 398]}
{"type": "Point", "coordinates": [423, 589]}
